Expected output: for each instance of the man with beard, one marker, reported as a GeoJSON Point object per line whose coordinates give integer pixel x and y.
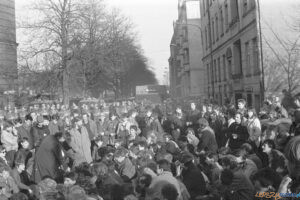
{"type": "Point", "coordinates": [48, 158]}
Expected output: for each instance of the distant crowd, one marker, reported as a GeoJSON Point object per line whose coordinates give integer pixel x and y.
{"type": "Point", "coordinates": [151, 152]}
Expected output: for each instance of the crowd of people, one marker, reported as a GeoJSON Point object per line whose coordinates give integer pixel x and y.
{"type": "Point", "coordinates": [150, 152]}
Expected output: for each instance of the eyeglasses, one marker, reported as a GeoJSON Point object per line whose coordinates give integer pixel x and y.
{"type": "Point", "coordinates": [3, 152]}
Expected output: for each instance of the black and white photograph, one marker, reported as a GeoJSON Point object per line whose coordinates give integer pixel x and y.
{"type": "Point", "coordinates": [149, 99]}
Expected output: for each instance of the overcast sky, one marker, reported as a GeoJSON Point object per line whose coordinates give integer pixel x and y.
{"type": "Point", "coordinates": [153, 21]}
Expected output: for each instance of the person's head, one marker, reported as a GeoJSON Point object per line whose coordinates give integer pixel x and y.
{"type": "Point", "coordinates": [252, 113]}
{"type": "Point", "coordinates": [229, 162]}
{"type": "Point", "coordinates": [24, 143]}
{"type": "Point", "coordinates": [144, 181]}
{"type": "Point", "coordinates": [276, 102]}
{"type": "Point", "coordinates": [20, 166]}
{"type": "Point", "coordinates": [59, 136]}
{"type": "Point", "coordinates": [4, 172]}
{"type": "Point", "coordinates": [178, 110]}
{"type": "Point", "coordinates": [18, 122]}
{"type": "Point", "coordinates": [182, 142]}
{"type": "Point", "coordinates": [241, 103]}
{"type": "Point", "coordinates": [238, 118]}
{"type": "Point", "coordinates": [113, 115]}
{"type": "Point", "coordinates": [211, 158]}
{"type": "Point", "coordinates": [266, 180]}
{"type": "Point", "coordinates": [133, 131]}
{"type": "Point", "coordinates": [106, 153]}
{"type": "Point", "coordinates": [296, 100]}
{"type": "Point", "coordinates": [55, 118]}
{"type": "Point", "coordinates": [40, 120]}
{"type": "Point", "coordinates": [203, 123]}
{"type": "Point", "coordinates": [268, 146]}
{"type": "Point", "coordinates": [209, 108]}
{"type": "Point", "coordinates": [193, 106]}
{"type": "Point", "coordinates": [85, 118]}
{"type": "Point", "coordinates": [120, 155]}
{"type": "Point", "coordinates": [2, 152]}
{"type": "Point", "coordinates": [167, 137]}
{"type": "Point", "coordinates": [99, 141]}
{"type": "Point", "coordinates": [77, 122]}
{"type": "Point", "coordinates": [70, 179]}
{"type": "Point", "coordinates": [163, 166]}
{"type": "Point", "coordinates": [151, 137]}
{"type": "Point", "coordinates": [247, 149]}
{"type": "Point", "coordinates": [8, 126]}
{"type": "Point", "coordinates": [46, 120]}
{"type": "Point", "coordinates": [100, 170]}
{"type": "Point", "coordinates": [132, 113]}
{"type": "Point", "coordinates": [149, 111]}
{"type": "Point", "coordinates": [169, 192]}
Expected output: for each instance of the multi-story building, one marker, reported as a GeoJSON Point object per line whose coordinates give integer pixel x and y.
{"type": "Point", "coordinates": [231, 51]}
{"type": "Point", "coordinates": [8, 50]}
{"type": "Point", "coordinates": [185, 63]}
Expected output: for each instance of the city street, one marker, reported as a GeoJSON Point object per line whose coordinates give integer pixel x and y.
{"type": "Point", "coordinates": [149, 99]}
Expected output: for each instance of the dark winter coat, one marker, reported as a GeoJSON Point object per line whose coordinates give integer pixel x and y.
{"type": "Point", "coordinates": [193, 180]}
{"type": "Point", "coordinates": [207, 141]}
{"type": "Point", "coordinates": [242, 135]}
{"type": "Point", "coordinates": [48, 158]}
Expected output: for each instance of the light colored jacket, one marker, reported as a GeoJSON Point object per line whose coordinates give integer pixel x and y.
{"type": "Point", "coordinates": [254, 129]}
{"type": "Point", "coordinates": [81, 143]}
{"type": "Point", "coordinates": [9, 141]}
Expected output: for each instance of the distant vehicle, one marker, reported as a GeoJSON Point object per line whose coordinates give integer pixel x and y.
{"type": "Point", "coordinates": [155, 94]}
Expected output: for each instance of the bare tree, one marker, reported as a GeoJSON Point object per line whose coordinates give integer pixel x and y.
{"type": "Point", "coordinates": [283, 60]}
{"type": "Point", "coordinates": [52, 33]}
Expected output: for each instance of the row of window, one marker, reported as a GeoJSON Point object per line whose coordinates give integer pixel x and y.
{"type": "Point", "coordinates": [220, 21]}
{"type": "Point", "coordinates": [214, 73]}
{"type": "Point", "coordinates": [251, 57]}
{"type": "Point", "coordinates": [221, 69]}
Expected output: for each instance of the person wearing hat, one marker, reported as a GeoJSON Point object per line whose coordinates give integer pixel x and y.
{"type": "Point", "coordinates": [192, 176]}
